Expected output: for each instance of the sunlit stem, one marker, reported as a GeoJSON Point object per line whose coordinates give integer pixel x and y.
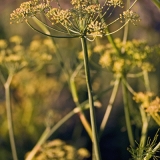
{"type": "Point", "coordinates": [49, 131]}
{"type": "Point", "coordinates": [143, 114]}
{"type": "Point", "coordinates": [9, 116]}
{"type": "Point", "coordinates": [110, 105]}
{"type": "Point", "coordinates": [127, 113]}
{"type": "Point", "coordinates": [91, 102]}
{"type": "Point", "coordinates": [129, 87]}
{"type": "Point", "coordinates": [71, 81]}
{"type": "Point", "coordinates": [150, 154]}
{"type": "Point", "coordinates": [76, 101]}
{"type": "Point", "coordinates": [144, 127]}
{"type": "Point", "coordinates": [157, 3]}
{"type": "Point", "coordinates": [146, 81]}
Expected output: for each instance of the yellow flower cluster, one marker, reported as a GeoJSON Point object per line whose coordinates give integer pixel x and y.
{"type": "Point", "coordinates": [136, 55]}
{"type": "Point", "coordinates": [13, 56]}
{"type": "Point", "coordinates": [129, 15]}
{"type": "Point", "coordinates": [150, 106]}
{"type": "Point", "coordinates": [143, 98]}
{"type": "Point", "coordinates": [58, 149]}
{"type": "Point", "coordinates": [27, 10]}
{"type": "Point", "coordinates": [83, 19]}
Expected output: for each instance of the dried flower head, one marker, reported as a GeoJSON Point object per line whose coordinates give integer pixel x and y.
{"type": "Point", "coordinates": [154, 110]}
{"type": "Point", "coordinates": [80, 4]}
{"type": "Point", "coordinates": [57, 15]}
{"type": "Point", "coordinates": [85, 18]}
{"type": "Point", "coordinates": [154, 106]}
{"type": "Point", "coordinates": [143, 98]}
{"type": "Point", "coordinates": [131, 16]}
{"type": "Point", "coordinates": [151, 107]}
{"type": "Point", "coordinates": [115, 3]}
{"type": "Point", "coordinates": [27, 10]}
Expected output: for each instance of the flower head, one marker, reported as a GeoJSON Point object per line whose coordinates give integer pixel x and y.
{"type": "Point", "coordinates": [84, 18]}
{"type": "Point", "coordinates": [27, 10]}
{"type": "Point", "coordinates": [136, 55]}
{"type": "Point", "coordinates": [131, 16]}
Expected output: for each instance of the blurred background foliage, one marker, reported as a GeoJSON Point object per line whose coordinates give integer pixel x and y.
{"type": "Point", "coordinates": [40, 94]}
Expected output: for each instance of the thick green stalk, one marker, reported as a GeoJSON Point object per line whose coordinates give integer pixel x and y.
{"type": "Point", "coordinates": [9, 116]}
{"type": "Point", "coordinates": [127, 114]}
{"type": "Point", "coordinates": [91, 102]}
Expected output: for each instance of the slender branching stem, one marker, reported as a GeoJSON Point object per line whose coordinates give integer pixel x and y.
{"type": "Point", "coordinates": [144, 116]}
{"type": "Point", "coordinates": [130, 89]}
{"type": "Point", "coordinates": [49, 131]}
{"type": "Point", "coordinates": [9, 116]}
{"type": "Point", "coordinates": [72, 77]}
{"type": "Point", "coordinates": [76, 101]}
{"type": "Point", "coordinates": [144, 127]}
{"type": "Point", "coordinates": [146, 81]}
{"type": "Point", "coordinates": [109, 107]}
{"type": "Point", "coordinates": [91, 102]}
{"type": "Point", "coordinates": [127, 113]}
{"type": "Point", "coordinates": [143, 113]}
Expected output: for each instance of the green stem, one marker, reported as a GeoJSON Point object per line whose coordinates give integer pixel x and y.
{"type": "Point", "coordinates": [144, 127]}
{"type": "Point", "coordinates": [127, 114]}
{"type": "Point", "coordinates": [109, 107]}
{"type": "Point", "coordinates": [9, 116]}
{"type": "Point", "coordinates": [76, 101]}
{"type": "Point", "coordinates": [150, 154]}
{"type": "Point", "coordinates": [157, 3]}
{"type": "Point", "coordinates": [146, 81]}
{"type": "Point", "coordinates": [91, 102]}
{"type": "Point", "coordinates": [66, 73]}
{"type": "Point", "coordinates": [143, 114]}
{"type": "Point", "coordinates": [48, 132]}
{"type": "Point", "coordinates": [57, 53]}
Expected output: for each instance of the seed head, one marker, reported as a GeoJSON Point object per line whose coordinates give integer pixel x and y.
{"type": "Point", "coordinates": [131, 16]}
{"type": "Point", "coordinates": [27, 10]}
